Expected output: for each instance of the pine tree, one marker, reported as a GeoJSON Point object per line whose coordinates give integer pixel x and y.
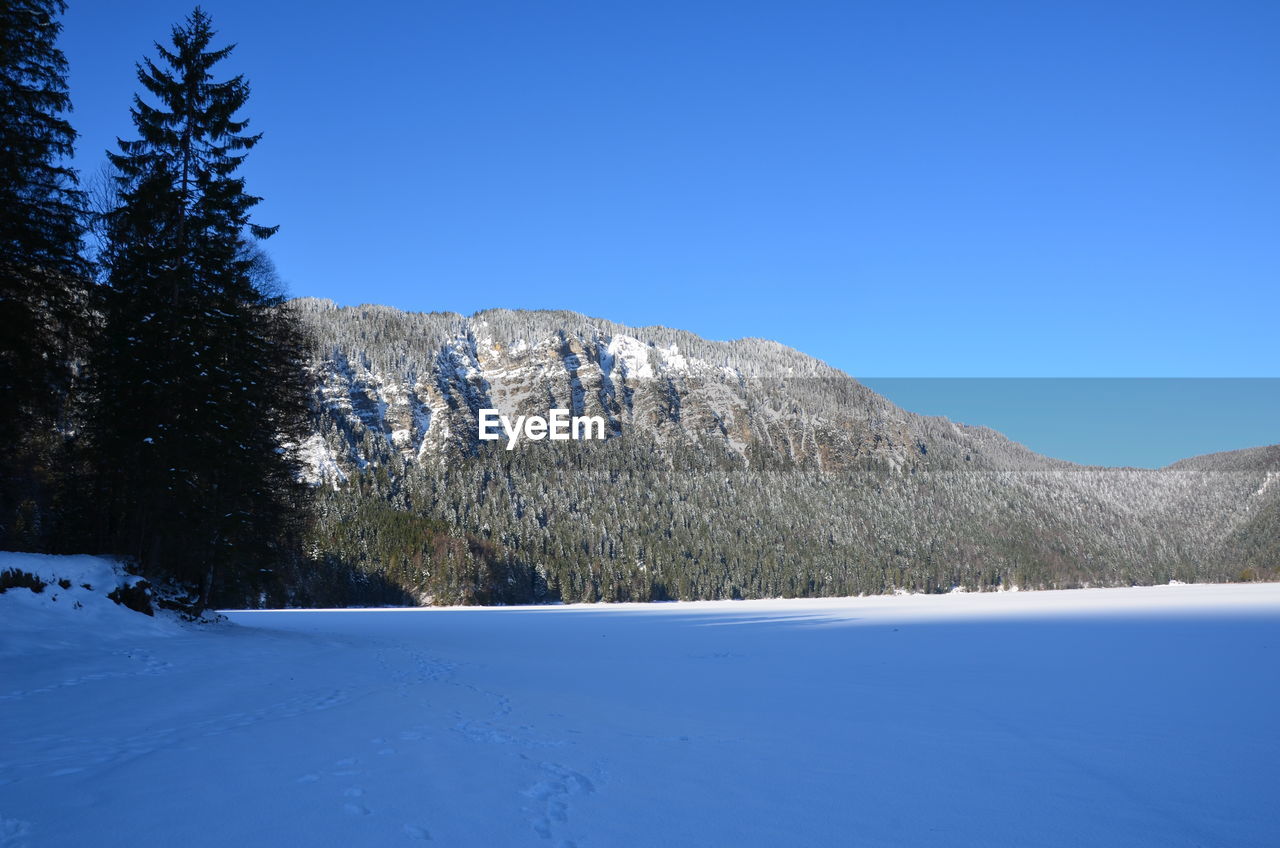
{"type": "Point", "coordinates": [199, 378]}
{"type": "Point", "coordinates": [42, 275]}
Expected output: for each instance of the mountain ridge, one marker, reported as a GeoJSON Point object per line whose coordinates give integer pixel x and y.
{"type": "Point", "coordinates": [641, 332]}
{"type": "Point", "coordinates": [493, 333]}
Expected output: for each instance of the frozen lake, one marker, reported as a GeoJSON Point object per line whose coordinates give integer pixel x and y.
{"type": "Point", "coordinates": [1136, 717]}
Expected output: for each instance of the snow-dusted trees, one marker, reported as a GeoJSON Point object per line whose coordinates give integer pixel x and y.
{"type": "Point", "coordinates": [198, 377]}
{"type": "Point", "coordinates": [836, 491]}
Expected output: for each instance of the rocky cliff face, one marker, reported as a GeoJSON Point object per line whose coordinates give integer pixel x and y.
{"type": "Point", "coordinates": [411, 385]}
{"type": "Point", "coordinates": [731, 469]}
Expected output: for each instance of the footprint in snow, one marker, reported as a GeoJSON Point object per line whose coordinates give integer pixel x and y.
{"type": "Point", "coordinates": [346, 767]}
{"type": "Point", "coordinates": [558, 784]}
{"type": "Point", "coordinates": [414, 832]}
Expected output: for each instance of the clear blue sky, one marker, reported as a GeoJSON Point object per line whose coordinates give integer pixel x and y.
{"type": "Point", "coordinates": [1143, 422]}
{"type": "Point", "coordinates": [900, 188]}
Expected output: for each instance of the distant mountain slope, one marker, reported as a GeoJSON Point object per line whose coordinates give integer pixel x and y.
{"type": "Point", "coordinates": [1247, 460]}
{"type": "Point", "coordinates": [737, 468]}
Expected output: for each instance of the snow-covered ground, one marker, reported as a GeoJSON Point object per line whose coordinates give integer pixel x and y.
{"type": "Point", "coordinates": [1135, 717]}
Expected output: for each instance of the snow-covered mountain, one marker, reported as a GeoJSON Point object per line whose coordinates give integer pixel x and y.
{"type": "Point", "coordinates": [740, 468]}
{"type": "Point", "coordinates": [411, 384]}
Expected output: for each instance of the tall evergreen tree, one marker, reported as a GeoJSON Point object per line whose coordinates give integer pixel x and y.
{"type": "Point", "coordinates": [199, 378]}
{"type": "Point", "coordinates": [42, 275]}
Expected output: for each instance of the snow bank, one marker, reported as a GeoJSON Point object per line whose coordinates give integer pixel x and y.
{"type": "Point", "coordinates": [72, 608]}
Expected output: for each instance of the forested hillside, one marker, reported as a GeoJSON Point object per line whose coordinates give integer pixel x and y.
{"type": "Point", "coordinates": [738, 469]}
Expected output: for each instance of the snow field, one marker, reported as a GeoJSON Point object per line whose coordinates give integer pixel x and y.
{"type": "Point", "coordinates": [1098, 717]}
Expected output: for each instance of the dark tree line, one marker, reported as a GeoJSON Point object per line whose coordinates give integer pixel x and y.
{"type": "Point", "coordinates": [157, 392]}
{"type": "Point", "coordinates": [43, 277]}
